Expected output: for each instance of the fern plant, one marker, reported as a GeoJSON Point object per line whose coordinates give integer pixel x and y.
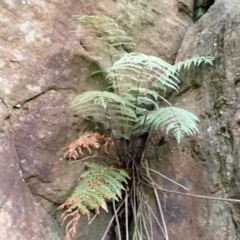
{"type": "Point", "coordinates": [129, 109]}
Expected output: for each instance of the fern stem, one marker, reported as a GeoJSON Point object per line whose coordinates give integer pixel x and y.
{"type": "Point", "coordinates": [140, 233]}
{"type": "Point", "coordinates": [134, 204]}
{"type": "Point", "coordinates": [115, 78]}
{"type": "Point", "coordinates": [151, 183]}
{"type": "Point", "coordinates": [83, 159]}
{"type": "Point", "coordinates": [126, 216]}
{"type": "Point", "coordinates": [138, 135]}
{"type": "Point", "coordinates": [116, 83]}
{"type": "Point", "coordinates": [203, 197]}
{"type": "Point", "coordinates": [111, 131]}
{"type": "Point", "coordinates": [145, 225]}
{"type": "Point", "coordinates": [149, 215]}
{"type": "Point", "coordinates": [161, 213]}
{"type": "Point", "coordinates": [141, 214]}
{"type": "Point", "coordinates": [156, 219]}
{"type": "Point", "coordinates": [111, 221]}
{"type": "Point", "coordinates": [180, 185]}
{"type": "Point", "coordinates": [117, 221]}
{"type": "Point", "coordinates": [93, 218]}
{"type": "Point", "coordinates": [165, 233]}
{"type": "Point", "coordinates": [138, 85]}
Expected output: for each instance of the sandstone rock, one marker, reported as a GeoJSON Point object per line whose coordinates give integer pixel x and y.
{"type": "Point", "coordinates": [42, 68]}
{"type": "Point", "coordinates": [215, 100]}
{"type": "Point", "coordinates": [20, 216]}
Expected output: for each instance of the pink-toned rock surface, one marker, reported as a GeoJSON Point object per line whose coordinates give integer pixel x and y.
{"type": "Point", "coordinates": [21, 217]}
{"type": "Point", "coordinates": [43, 66]}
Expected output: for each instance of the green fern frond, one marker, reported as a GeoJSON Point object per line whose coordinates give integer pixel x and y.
{"type": "Point", "coordinates": [165, 80]}
{"type": "Point", "coordinates": [142, 102]}
{"type": "Point", "coordinates": [144, 67]}
{"type": "Point", "coordinates": [141, 91]}
{"type": "Point", "coordinates": [160, 86]}
{"type": "Point", "coordinates": [141, 111]}
{"type": "Point", "coordinates": [97, 184]}
{"type": "Point", "coordinates": [180, 121]}
{"type": "Point", "coordinates": [98, 98]}
{"type": "Point", "coordinates": [196, 61]}
{"type": "Point", "coordinates": [108, 108]}
{"type": "Point", "coordinates": [120, 110]}
{"type": "Point", "coordinates": [122, 176]}
{"type": "Point", "coordinates": [101, 19]}
{"type": "Point", "coordinates": [102, 27]}
{"type": "Point", "coordinates": [118, 135]}
{"type": "Point", "coordinates": [145, 101]}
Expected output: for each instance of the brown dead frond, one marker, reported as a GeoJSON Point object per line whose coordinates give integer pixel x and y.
{"type": "Point", "coordinates": [72, 224]}
{"type": "Point", "coordinates": [74, 216]}
{"type": "Point", "coordinates": [86, 141]}
{"type": "Point", "coordinates": [107, 143]}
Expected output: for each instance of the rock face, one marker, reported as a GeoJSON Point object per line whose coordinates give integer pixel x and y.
{"type": "Point", "coordinates": [43, 66]}
{"type": "Point", "coordinates": [213, 93]}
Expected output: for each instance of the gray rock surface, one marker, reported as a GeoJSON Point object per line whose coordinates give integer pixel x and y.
{"type": "Point", "coordinates": [213, 93]}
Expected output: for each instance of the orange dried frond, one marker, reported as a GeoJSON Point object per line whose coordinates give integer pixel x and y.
{"type": "Point", "coordinates": [107, 143]}
{"type": "Point", "coordinates": [86, 141]}
{"type": "Point", "coordinates": [72, 224]}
